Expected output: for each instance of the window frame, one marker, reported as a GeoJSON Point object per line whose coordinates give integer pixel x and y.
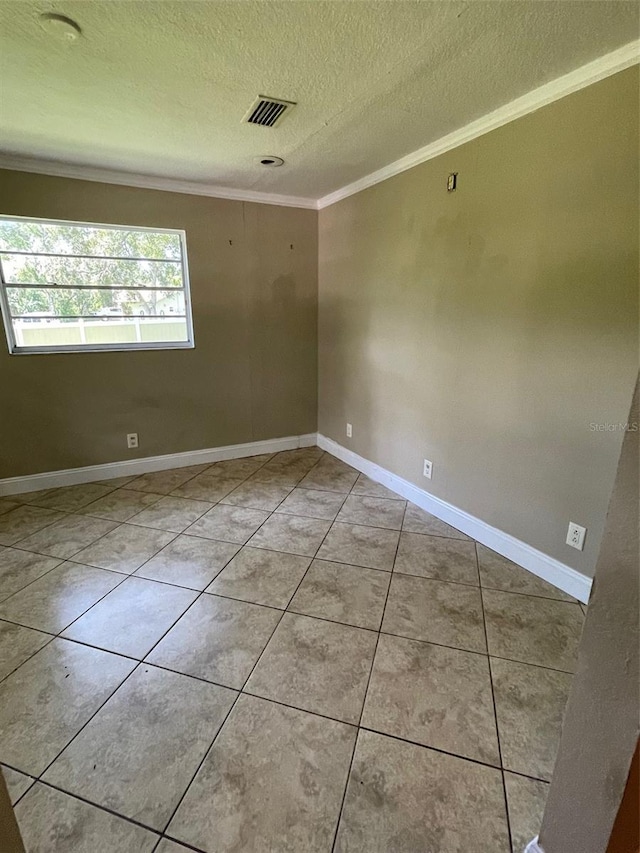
{"type": "Point", "coordinates": [134, 346]}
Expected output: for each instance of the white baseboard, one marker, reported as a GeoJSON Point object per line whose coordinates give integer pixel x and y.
{"type": "Point", "coordinates": [110, 470]}
{"type": "Point", "coordinates": [556, 573]}
{"type": "Point", "coordinates": [533, 847]}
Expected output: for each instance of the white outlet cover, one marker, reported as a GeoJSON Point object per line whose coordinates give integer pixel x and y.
{"type": "Point", "coordinates": [132, 439]}
{"type": "Point", "coordinates": [575, 535]}
{"type": "Point", "coordinates": [427, 469]}
{"type": "Point", "coordinates": [349, 431]}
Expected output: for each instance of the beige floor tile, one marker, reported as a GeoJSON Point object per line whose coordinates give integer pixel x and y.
{"type": "Point", "coordinates": [53, 601]}
{"type": "Point", "coordinates": [120, 504]}
{"type": "Point", "coordinates": [358, 545]}
{"type": "Point", "coordinates": [45, 702]}
{"type": "Point", "coordinates": [139, 753]}
{"type": "Point", "coordinates": [292, 534]}
{"type": "Point", "coordinates": [533, 630]}
{"type": "Point", "coordinates": [290, 465]}
{"type": "Point", "coordinates": [445, 613]}
{"type": "Point", "coordinates": [23, 521]}
{"type": "Point", "coordinates": [530, 703]}
{"type": "Point", "coordinates": [374, 512]}
{"type": "Point", "coordinates": [189, 561]}
{"type": "Point", "coordinates": [437, 557]}
{"type": "Point", "coordinates": [240, 468]}
{"type": "Point", "coordinates": [163, 482]}
{"type": "Point", "coordinates": [171, 513]}
{"type": "Point", "coordinates": [526, 799]}
{"type": "Point", "coordinates": [331, 475]}
{"type": "Point", "coordinates": [71, 498]}
{"type": "Point", "coordinates": [208, 486]}
{"type": "Point", "coordinates": [19, 568]}
{"type": "Point", "coordinates": [316, 666]}
{"type": "Point", "coordinates": [366, 486]}
{"type": "Point", "coordinates": [273, 781]}
{"type": "Point", "coordinates": [67, 536]}
{"type": "Point", "coordinates": [277, 476]}
{"type": "Point", "coordinates": [255, 495]}
{"type": "Point", "coordinates": [260, 576]}
{"type": "Point", "coordinates": [53, 822]}
{"type": "Point", "coordinates": [218, 639]}
{"type": "Point", "coordinates": [496, 572]}
{"type": "Point", "coordinates": [416, 520]}
{"type": "Point", "coordinates": [132, 618]}
{"type": "Point", "coordinates": [435, 696]}
{"type": "Point", "coordinates": [229, 523]}
{"type": "Point", "coordinates": [312, 504]}
{"type": "Point", "coordinates": [17, 783]}
{"type": "Point", "coordinates": [125, 548]}
{"type": "Point", "coordinates": [17, 644]}
{"type": "Point", "coordinates": [343, 593]}
{"type": "Point", "coordinates": [406, 798]}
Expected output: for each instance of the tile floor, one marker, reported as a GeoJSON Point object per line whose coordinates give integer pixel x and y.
{"type": "Point", "coordinates": [271, 654]}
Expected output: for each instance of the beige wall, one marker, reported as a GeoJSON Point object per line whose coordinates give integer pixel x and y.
{"type": "Point", "coordinates": [486, 329]}
{"type": "Point", "coordinates": [252, 374]}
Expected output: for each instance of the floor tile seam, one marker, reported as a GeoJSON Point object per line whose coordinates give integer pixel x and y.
{"type": "Point", "coordinates": [220, 728]}
{"type": "Point", "coordinates": [366, 691]}
{"type": "Point", "coordinates": [495, 708]}
{"type": "Point", "coordinates": [575, 603]}
{"type": "Point", "coordinates": [75, 553]}
{"type": "Point", "coordinates": [57, 566]}
{"type": "Point", "coordinates": [138, 663]}
{"type": "Point", "coordinates": [70, 511]}
{"type": "Point", "coordinates": [214, 503]}
{"type": "Point", "coordinates": [58, 634]}
{"type": "Point", "coordinates": [16, 544]}
{"type": "Point", "coordinates": [51, 637]}
{"type": "Point", "coordinates": [85, 514]}
{"type": "Point", "coordinates": [89, 802]}
{"type": "Point", "coordinates": [125, 576]}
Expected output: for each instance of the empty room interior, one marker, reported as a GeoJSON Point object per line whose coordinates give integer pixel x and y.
{"type": "Point", "coordinates": [319, 426]}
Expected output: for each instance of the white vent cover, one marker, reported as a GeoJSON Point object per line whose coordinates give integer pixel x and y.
{"type": "Point", "coordinates": [267, 112]}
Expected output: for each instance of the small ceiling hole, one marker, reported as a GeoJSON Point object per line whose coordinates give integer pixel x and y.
{"type": "Point", "coordinates": [270, 160]}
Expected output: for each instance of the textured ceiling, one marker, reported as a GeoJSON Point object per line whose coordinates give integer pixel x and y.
{"type": "Point", "coordinates": [160, 88]}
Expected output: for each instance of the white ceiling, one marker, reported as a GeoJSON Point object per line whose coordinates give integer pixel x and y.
{"type": "Point", "coordinates": [160, 88]}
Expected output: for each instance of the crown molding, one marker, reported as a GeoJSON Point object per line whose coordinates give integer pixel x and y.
{"type": "Point", "coordinates": [611, 63]}
{"type": "Point", "coordinates": [128, 179]}
{"type": "Point", "coordinates": [580, 78]}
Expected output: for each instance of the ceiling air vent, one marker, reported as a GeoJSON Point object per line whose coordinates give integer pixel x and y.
{"type": "Point", "coordinates": [268, 112]}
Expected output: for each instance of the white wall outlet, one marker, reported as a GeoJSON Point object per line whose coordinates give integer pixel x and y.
{"type": "Point", "coordinates": [349, 431]}
{"type": "Point", "coordinates": [132, 439]}
{"type": "Point", "coordinates": [427, 469]}
{"type": "Point", "coordinates": [575, 535]}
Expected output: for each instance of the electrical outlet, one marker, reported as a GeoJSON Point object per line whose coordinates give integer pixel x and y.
{"type": "Point", "coordinates": [575, 535]}
{"type": "Point", "coordinates": [349, 431]}
{"type": "Point", "coordinates": [427, 469]}
{"type": "Point", "coordinates": [132, 439]}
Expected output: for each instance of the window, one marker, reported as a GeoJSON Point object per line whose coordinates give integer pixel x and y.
{"type": "Point", "coordinates": [76, 287]}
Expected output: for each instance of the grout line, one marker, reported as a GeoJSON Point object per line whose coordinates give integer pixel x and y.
{"type": "Point", "coordinates": [495, 709]}
{"type": "Point", "coordinates": [366, 690]}
{"type": "Point", "coordinates": [89, 803]}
